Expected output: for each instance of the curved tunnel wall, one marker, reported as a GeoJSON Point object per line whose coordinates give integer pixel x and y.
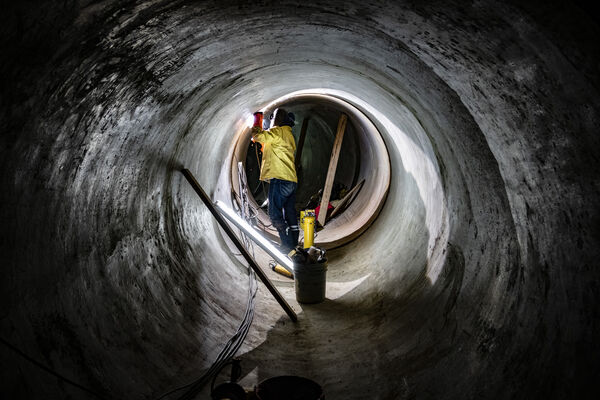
{"type": "Point", "coordinates": [478, 279]}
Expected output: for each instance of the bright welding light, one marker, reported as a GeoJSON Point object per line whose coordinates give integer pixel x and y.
{"type": "Point", "coordinates": [250, 120]}
{"type": "Point", "coordinates": [261, 241]}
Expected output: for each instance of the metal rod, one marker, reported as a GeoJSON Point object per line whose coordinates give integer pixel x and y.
{"type": "Point", "coordinates": [207, 201]}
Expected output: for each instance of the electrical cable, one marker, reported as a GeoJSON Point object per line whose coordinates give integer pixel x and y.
{"type": "Point", "coordinates": [230, 348]}
{"type": "Point", "coordinates": [236, 341]}
{"type": "Point", "coordinates": [254, 220]}
{"type": "Point", "coordinates": [233, 363]}
{"type": "Point", "coordinates": [51, 371]}
{"type": "Point", "coordinates": [228, 351]}
{"type": "Point", "coordinates": [224, 357]}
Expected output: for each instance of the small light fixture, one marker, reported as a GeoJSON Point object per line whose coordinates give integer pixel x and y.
{"type": "Point", "coordinates": [250, 121]}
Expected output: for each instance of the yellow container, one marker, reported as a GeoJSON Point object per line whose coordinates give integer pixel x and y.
{"type": "Point", "coordinates": [307, 222]}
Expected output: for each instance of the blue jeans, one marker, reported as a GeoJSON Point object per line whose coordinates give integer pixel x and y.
{"type": "Point", "coordinates": [282, 211]}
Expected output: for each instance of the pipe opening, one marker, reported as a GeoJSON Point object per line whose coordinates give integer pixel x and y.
{"type": "Point", "coordinates": [318, 120]}
{"type": "Point", "coordinates": [363, 160]}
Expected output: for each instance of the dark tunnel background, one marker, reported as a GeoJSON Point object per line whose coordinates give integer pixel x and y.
{"type": "Point", "coordinates": [478, 279]}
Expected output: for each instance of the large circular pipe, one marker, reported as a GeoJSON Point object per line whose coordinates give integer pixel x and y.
{"type": "Point", "coordinates": [372, 164]}
{"type": "Point", "coordinates": [477, 278]}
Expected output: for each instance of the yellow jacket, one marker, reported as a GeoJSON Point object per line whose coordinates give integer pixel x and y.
{"type": "Point", "coordinates": [278, 153]}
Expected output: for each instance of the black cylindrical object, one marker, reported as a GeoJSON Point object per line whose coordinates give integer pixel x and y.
{"type": "Point", "coordinates": [289, 388]}
{"type": "Point", "coordinates": [310, 282]}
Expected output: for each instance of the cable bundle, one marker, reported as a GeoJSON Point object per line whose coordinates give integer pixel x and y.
{"type": "Point", "coordinates": [234, 344]}
{"type": "Point", "coordinates": [230, 349]}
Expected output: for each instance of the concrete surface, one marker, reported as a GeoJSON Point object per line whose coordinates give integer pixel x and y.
{"type": "Point", "coordinates": [479, 279]}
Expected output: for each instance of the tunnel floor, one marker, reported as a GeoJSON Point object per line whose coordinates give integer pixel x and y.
{"type": "Point", "coordinates": [325, 332]}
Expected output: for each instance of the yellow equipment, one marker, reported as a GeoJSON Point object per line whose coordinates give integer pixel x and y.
{"type": "Point", "coordinates": [280, 270]}
{"type": "Point", "coordinates": [307, 223]}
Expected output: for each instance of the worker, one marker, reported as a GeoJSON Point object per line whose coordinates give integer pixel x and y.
{"type": "Point", "coordinates": [278, 169]}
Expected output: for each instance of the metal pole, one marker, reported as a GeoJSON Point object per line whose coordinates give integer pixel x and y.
{"type": "Point", "coordinates": [198, 189]}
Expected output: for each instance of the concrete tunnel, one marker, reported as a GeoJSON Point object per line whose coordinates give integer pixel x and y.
{"type": "Point", "coordinates": [475, 276]}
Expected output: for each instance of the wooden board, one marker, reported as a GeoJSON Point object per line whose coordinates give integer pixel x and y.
{"type": "Point", "coordinates": [333, 161]}
{"type": "Point", "coordinates": [347, 199]}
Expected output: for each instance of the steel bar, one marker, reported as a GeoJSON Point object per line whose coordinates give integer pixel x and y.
{"type": "Point", "coordinates": [259, 272]}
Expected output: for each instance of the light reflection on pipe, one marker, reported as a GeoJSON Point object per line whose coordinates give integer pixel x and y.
{"type": "Point", "coordinates": [261, 241]}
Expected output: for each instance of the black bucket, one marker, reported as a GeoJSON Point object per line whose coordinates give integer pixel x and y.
{"type": "Point", "coordinates": [310, 280]}
{"type": "Point", "coordinates": [289, 388]}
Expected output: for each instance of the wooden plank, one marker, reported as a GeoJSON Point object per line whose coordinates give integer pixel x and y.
{"type": "Point", "coordinates": [208, 203]}
{"type": "Point", "coordinates": [333, 161]}
{"type": "Point", "coordinates": [301, 143]}
{"type": "Point", "coordinates": [347, 199]}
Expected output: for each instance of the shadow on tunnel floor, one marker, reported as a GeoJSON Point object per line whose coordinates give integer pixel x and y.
{"type": "Point", "coordinates": [364, 346]}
